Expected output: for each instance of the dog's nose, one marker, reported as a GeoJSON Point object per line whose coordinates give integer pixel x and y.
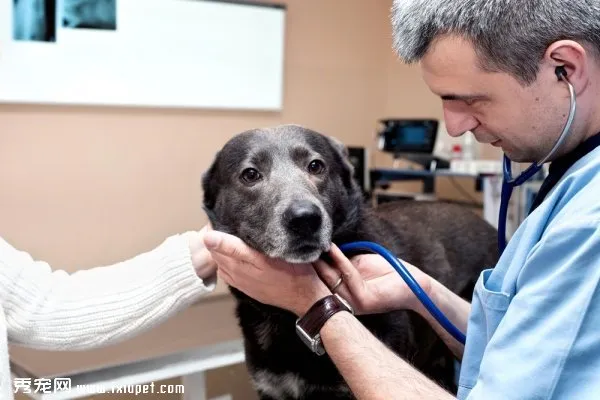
{"type": "Point", "coordinates": [303, 217]}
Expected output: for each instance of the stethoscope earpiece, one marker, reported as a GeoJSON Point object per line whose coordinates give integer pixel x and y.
{"type": "Point", "coordinates": [561, 72]}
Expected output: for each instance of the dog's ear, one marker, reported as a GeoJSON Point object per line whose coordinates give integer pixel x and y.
{"type": "Point", "coordinates": [210, 186]}
{"type": "Point", "coordinates": [343, 157]}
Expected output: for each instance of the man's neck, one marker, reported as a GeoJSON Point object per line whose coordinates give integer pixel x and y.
{"type": "Point", "coordinates": [592, 128]}
{"type": "Point", "coordinates": [594, 113]}
{"type": "Point", "coordinates": [593, 131]}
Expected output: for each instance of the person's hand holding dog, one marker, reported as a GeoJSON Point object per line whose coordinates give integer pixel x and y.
{"type": "Point", "coordinates": [293, 287]}
{"type": "Point", "coordinates": [369, 283]}
{"type": "Point", "coordinates": [202, 261]}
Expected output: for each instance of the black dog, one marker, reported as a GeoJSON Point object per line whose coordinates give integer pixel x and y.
{"type": "Point", "coordinates": [289, 192]}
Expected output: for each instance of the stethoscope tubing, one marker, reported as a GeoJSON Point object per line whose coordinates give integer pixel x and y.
{"type": "Point", "coordinates": [509, 182]}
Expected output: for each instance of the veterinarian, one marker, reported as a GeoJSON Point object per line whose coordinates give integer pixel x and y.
{"type": "Point", "coordinates": [54, 310]}
{"type": "Point", "coordinates": [508, 71]}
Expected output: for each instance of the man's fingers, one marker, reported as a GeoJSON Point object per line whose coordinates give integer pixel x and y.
{"type": "Point", "coordinates": [229, 246]}
{"type": "Point", "coordinates": [350, 274]}
{"type": "Point", "coordinates": [326, 272]}
{"type": "Point", "coordinates": [330, 275]}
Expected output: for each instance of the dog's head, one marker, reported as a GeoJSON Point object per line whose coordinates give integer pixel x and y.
{"type": "Point", "coordinates": [285, 191]}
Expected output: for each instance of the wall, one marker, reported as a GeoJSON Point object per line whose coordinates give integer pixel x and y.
{"type": "Point", "coordinates": [84, 186]}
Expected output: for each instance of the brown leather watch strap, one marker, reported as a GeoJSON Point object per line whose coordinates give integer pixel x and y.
{"type": "Point", "coordinates": [320, 312]}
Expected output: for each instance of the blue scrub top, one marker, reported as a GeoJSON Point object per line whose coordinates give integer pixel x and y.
{"type": "Point", "coordinates": [534, 328]}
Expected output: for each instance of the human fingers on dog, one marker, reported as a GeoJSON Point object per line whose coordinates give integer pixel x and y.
{"type": "Point", "coordinates": [352, 287]}
{"type": "Point", "coordinates": [328, 274]}
{"type": "Point", "coordinates": [238, 273]}
{"type": "Point", "coordinates": [226, 269]}
{"type": "Point", "coordinates": [223, 275]}
{"type": "Point", "coordinates": [224, 244]}
{"type": "Point", "coordinates": [350, 274]}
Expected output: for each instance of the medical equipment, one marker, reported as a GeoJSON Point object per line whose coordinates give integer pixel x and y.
{"type": "Point", "coordinates": [509, 183]}
{"type": "Point", "coordinates": [408, 135]}
{"type": "Point", "coordinates": [411, 139]}
{"type": "Point", "coordinates": [410, 282]}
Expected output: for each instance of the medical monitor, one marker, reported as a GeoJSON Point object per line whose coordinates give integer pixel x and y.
{"type": "Point", "coordinates": [408, 135]}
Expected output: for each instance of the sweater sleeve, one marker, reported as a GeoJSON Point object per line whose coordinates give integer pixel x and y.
{"type": "Point", "coordinates": [54, 310]}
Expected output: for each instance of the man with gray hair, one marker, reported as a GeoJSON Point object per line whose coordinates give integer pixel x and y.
{"type": "Point", "coordinates": [524, 76]}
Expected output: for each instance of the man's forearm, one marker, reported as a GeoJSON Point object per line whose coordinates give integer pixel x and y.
{"type": "Point", "coordinates": [454, 308]}
{"type": "Point", "coordinates": [371, 369]}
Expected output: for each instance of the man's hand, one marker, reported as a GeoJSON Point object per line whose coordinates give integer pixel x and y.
{"type": "Point", "coordinates": [370, 283]}
{"type": "Point", "coordinates": [293, 287]}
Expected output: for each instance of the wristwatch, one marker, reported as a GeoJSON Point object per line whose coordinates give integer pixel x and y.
{"type": "Point", "coordinates": [309, 325]}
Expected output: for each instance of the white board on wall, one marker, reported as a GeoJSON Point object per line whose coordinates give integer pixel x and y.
{"type": "Point", "coordinates": [158, 53]}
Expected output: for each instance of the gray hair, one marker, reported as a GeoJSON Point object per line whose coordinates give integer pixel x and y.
{"type": "Point", "coordinates": [508, 35]}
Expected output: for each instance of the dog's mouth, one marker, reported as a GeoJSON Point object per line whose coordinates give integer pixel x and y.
{"type": "Point", "coordinates": [307, 248]}
{"type": "Point", "coordinates": [292, 250]}
{"type": "Point", "coordinates": [306, 252]}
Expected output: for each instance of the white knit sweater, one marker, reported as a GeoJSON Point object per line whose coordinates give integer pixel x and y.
{"type": "Point", "coordinates": [55, 310]}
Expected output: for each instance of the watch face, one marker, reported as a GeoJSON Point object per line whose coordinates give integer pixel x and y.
{"type": "Point", "coordinates": [307, 340]}
{"type": "Point", "coordinates": [314, 319]}
{"type": "Point", "coordinates": [314, 344]}
{"type": "Point", "coordinates": [320, 350]}
{"type": "Point", "coordinates": [318, 345]}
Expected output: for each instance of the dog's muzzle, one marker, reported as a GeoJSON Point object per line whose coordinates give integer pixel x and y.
{"type": "Point", "coordinates": [307, 231]}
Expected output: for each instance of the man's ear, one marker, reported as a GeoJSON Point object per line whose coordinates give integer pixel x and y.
{"type": "Point", "coordinates": [210, 186]}
{"type": "Point", "coordinates": [574, 58]}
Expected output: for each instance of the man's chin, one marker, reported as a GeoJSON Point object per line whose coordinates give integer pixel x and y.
{"type": "Point", "coordinates": [520, 158]}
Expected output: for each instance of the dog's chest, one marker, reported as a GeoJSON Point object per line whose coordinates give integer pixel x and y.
{"type": "Point", "coordinates": [265, 332]}
{"type": "Point", "coordinates": [281, 366]}
{"type": "Point", "coordinates": [289, 385]}
{"type": "Point", "coordinates": [279, 386]}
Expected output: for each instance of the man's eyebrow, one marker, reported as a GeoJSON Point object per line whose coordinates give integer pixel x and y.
{"type": "Point", "coordinates": [463, 97]}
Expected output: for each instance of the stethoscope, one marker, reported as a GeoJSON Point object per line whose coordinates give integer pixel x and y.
{"type": "Point", "coordinates": [507, 186]}
{"type": "Point", "coordinates": [509, 183]}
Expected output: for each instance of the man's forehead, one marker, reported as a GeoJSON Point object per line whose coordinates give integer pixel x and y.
{"type": "Point", "coordinates": [451, 69]}
{"type": "Point", "coordinates": [451, 52]}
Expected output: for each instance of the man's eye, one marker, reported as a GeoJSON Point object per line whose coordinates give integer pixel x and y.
{"type": "Point", "coordinates": [251, 175]}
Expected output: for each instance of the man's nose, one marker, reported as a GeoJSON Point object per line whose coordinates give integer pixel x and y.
{"type": "Point", "coordinates": [459, 122]}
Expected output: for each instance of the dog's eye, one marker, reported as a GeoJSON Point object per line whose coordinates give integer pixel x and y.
{"type": "Point", "coordinates": [316, 167]}
{"type": "Point", "coordinates": [250, 175]}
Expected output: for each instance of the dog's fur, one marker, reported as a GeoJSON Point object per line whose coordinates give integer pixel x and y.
{"type": "Point", "coordinates": [446, 241]}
